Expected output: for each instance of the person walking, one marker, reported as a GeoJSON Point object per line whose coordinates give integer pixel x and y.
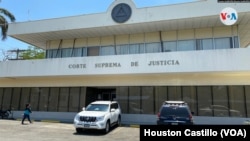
{"type": "Point", "coordinates": [27, 113]}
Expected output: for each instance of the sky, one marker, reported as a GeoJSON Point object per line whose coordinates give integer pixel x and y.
{"type": "Point", "coordinates": [32, 10]}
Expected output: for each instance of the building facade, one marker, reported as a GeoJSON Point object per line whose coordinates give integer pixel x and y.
{"type": "Point", "coordinates": [137, 56]}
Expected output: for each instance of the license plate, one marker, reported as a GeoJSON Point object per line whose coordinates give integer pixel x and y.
{"type": "Point", "coordinates": [174, 123]}
{"type": "Point", "coordinates": [86, 125]}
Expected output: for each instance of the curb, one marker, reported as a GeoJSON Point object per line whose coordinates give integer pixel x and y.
{"type": "Point", "coordinates": [58, 121]}
{"type": "Point", "coordinates": [51, 121]}
{"type": "Point", "coordinates": [131, 125]}
{"type": "Point", "coordinates": [135, 126]}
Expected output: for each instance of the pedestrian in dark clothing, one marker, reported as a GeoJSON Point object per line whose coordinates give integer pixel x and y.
{"type": "Point", "coordinates": [26, 113]}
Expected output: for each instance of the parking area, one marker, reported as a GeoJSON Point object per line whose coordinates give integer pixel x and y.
{"type": "Point", "coordinates": [13, 130]}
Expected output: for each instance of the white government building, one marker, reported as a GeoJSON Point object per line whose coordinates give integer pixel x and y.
{"type": "Point", "coordinates": [137, 56]}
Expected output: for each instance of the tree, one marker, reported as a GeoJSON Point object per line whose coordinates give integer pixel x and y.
{"type": "Point", "coordinates": [4, 22]}
{"type": "Point", "coordinates": [32, 53]}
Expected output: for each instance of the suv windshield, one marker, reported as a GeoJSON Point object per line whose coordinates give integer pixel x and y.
{"type": "Point", "coordinates": [97, 107]}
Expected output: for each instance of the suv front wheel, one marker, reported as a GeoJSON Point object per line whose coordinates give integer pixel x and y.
{"type": "Point", "coordinates": [107, 127]}
{"type": "Point", "coordinates": [79, 130]}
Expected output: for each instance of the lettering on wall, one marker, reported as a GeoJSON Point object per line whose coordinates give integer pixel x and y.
{"type": "Point", "coordinates": [163, 63]}
{"type": "Point", "coordinates": [104, 65]}
{"type": "Point", "coordinates": [77, 66]}
{"type": "Point", "coordinates": [107, 65]}
{"type": "Point", "coordinates": [134, 64]}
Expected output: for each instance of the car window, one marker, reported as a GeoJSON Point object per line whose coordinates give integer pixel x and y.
{"type": "Point", "coordinates": [97, 107]}
{"type": "Point", "coordinates": [177, 111]}
{"type": "Point", "coordinates": [114, 106]}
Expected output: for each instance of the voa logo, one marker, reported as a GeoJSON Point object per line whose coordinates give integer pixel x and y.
{"type": "Point", "coordinates": [228, 16]}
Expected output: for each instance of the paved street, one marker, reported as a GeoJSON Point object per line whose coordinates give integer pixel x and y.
{"type": "Point", "coordinates": [13, 130]}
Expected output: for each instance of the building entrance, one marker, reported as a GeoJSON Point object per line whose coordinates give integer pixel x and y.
{"type": "Point", "coordinates": [94, 94]}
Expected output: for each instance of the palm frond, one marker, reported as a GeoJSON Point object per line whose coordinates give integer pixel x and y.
{"type": "Point", "coordinates": [8, 14]}
{"type": "Point", "coordinates": [4, 22]}
{"type": "Point", "coordinates": [4, 27]}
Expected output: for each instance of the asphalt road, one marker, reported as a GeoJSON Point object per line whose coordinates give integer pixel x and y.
{"type": "Point", "coordinates": [13, 130]}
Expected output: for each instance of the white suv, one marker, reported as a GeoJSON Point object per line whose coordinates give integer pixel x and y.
{"type": "Point", "coordinates": [100, 115]}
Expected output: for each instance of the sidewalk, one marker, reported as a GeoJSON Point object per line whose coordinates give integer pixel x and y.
{"type": "Point", "coordinates": [13, 130]}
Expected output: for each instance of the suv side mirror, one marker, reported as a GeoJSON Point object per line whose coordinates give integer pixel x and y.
{"type": "Point", "coordinates": [112, 110]}
{"type": "Point", "coordinates": [83, 108]}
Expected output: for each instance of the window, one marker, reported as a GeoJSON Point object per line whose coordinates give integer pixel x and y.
{"type": "Point", "coordinates": [148, 96]}
{"type": "Point", "coordinates": [74, 99]}
{"type": "Point", "coordinates": [15, 98]}
{"type": "Point", "coordinates": [93, 51]}
{"type": "Point", "coordinates": [25, 97]}
{"type": "Point", "coordinates": [136, 49]}
{"type": "Point", "coordinates": [53, 99]}
{"type": "Point", "coordinates": [66, 52]}
{"type": "Point", "coordinates": [174, 93]}
{"type": "Point", "coordinates": [107, 50]}
{"type": "Point", "coordinates": [247, 100]}
{"type": "Point", "coordinates": [223, 43]}
{"type": "Point", "coordinates": [114, 106]}
{"type": "Point", "coordinates": [204, 44]}
{"type": "Point", "coordinates": [63, 100]}
{"type": "Point", "coordinates": [236, 42]}
{"type": "Point", "coordinates": [169, 46]}
{"type": "Point", "coordinates": [6, 99]}
{"type": "Point", "coordinates": [228, 101]}
{"type": "Point", "coordinates": [122, 49]}
{"type": "Point", "coordinates": [220, 98]}
{"type": "Point", "coordinates": [57, 53]}
{"type": "Point", "coordinates": [153, 47]}
{"type": "Point", "coordinates": [134, 99]}
{"type": "Point", "coordinates": [186, 45]}
{"type": "Point", "coordinates": [78, 52]}
{"type": "Point", "coordinates": [53, 53]}
{"type": "Point", "coordinates": [97, 107]}
{"type": "Point", "coordinates": [236, 101]}
{"type": "Point", "coordinates": [204, 99]}
{"type": "Point", "coordinates": [43, 99]}
{"type": "Point", "coordinates": [48, 53]}
{"type": "Point", "coordinates": [34, 97]}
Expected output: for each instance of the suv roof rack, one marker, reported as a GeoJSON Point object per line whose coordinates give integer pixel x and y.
{"type": "Point", "coordinates": [175, 102]}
